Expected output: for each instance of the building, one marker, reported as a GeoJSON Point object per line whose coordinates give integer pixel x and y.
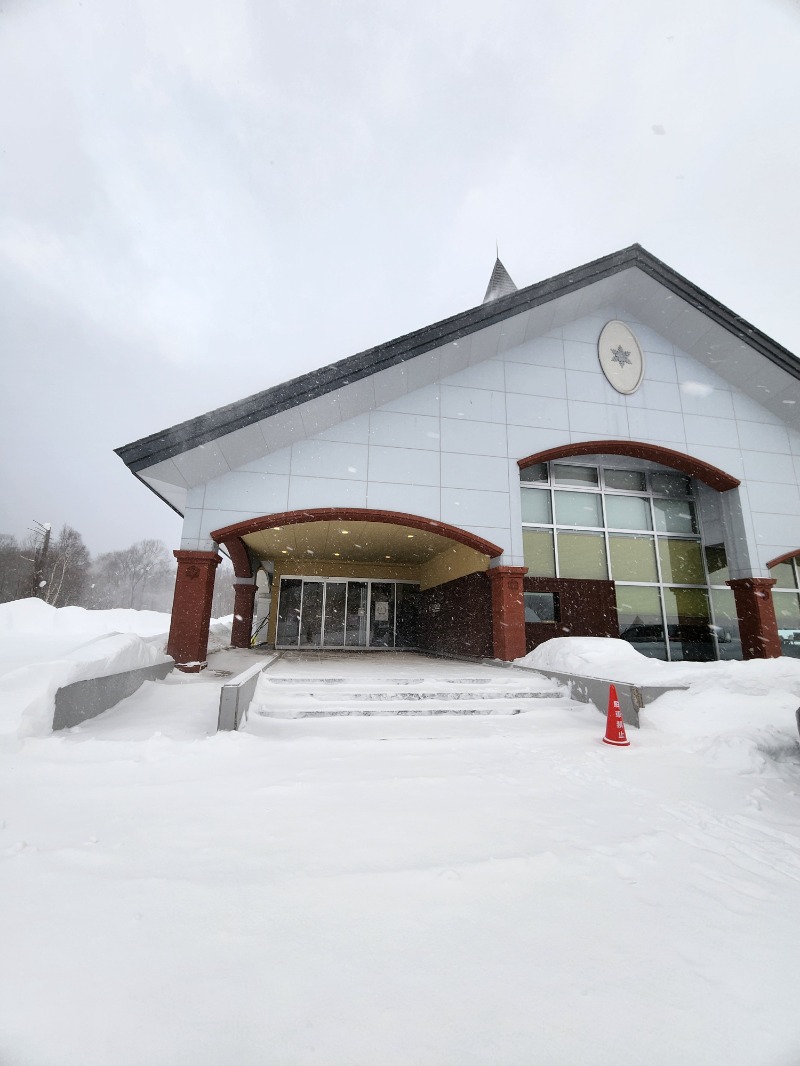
{"type": "Point", "coordinates": [608, 452]}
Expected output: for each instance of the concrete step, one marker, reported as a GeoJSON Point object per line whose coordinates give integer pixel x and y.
{"type": "Point", "coordinates": [384, 710]}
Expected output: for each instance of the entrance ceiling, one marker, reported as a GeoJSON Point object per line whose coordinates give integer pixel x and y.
{"type": "Point", "coordinates": [355, 542]}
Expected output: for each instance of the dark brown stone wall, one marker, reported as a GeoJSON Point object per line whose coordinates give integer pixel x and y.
{"type": "Point", "coordinates": [585, 609]}
{"type": "Point", "coordinates": [456, 618]}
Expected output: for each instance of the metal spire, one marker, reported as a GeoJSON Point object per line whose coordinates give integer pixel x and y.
{"type": "Point", "coordinates": [500, 283]}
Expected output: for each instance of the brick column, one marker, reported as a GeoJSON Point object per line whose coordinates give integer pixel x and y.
{"type": "Point", "coordinates": [191, 609]}
{"type": "Point", "coordinates": [244, 592]}
{"type": "Point", "coordinates": [508, 612]}
{"type": "Point", "coordinates": [758, 626]}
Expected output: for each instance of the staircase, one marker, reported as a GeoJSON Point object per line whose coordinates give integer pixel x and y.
{"type": "Point", "coordinates": [338, 695]}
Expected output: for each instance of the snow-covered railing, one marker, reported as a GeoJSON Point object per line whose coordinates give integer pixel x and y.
{"type": "Point", "coordinates": [236, 694]}
{"type": "Point", "coordinates": [81, 700]}
{"type": "Point", "coordinates": [632, 698]}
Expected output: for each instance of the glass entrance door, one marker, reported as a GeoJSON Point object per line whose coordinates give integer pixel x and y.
{"type": "Point", "coordinates": [339, 613]}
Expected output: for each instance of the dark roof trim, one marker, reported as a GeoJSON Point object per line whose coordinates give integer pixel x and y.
{"type": "Point", "coordinates": [208, 427]}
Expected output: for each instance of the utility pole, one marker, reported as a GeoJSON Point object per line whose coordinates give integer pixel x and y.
{"type": "Point", "coordinates": [40, 559]}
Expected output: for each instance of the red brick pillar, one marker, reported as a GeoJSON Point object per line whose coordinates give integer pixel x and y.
{"type": "Point", "coordinates": [758, 626]}
{"type": "Point", "coordinates": [508, 612]}
{"type": "Point", "coordinates": [191, 609]}
{"type": "Point", "coordinates": [244, 600]}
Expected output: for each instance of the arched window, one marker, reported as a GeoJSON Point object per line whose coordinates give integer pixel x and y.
{"type": "Point", "coordinates": [614, 519]}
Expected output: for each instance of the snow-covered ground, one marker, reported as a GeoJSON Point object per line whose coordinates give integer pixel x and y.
{"type": "Point", "coordinates": [428, 891]}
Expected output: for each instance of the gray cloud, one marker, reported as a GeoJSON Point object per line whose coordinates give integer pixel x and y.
{"type": "Point", "coordinates": [200, 200]}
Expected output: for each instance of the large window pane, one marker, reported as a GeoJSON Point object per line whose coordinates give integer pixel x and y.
{"type": "Point", "coordinates": [681, 562]}
{"type": "Point", "coordinates": [671, 484]}
{"type": "Point", "coordinates": [536, 506]}
{"type": "Point", "coordinates": [356, 635]}
{"type": "Point", "coordinates": [335, 603]}
{"type": "Point", "coordinates": [540, 606]}
{"type": "Point", "coordinates": [289, 611]}
{"type": "Point", "coordinates": [784, 576]}
{"type": "Point", "coordinates": [787, 611]}
{"type": "Point", "coordinates": [726, 623]}
{"type": "Point", "coordinates": [628, 512]}
{"type": "Point", "coordinates": [632, 558]}
{"type": "Point", "coordinates": [381, 615]}
{"type": "Point", "coordinates": [537, 546]}
{"type": "Point", "coordinates": [578, 509]}
{"type": "Point", "coordinates": [537, 472]}
{"type": "Point", "coordinates": [625, 480]}
{"type": "Point", "coordinates": [717, 564]}
{"type": "Point", "coordinates": [639, 614]}
{"type": "Point", "coordinates": [582, 555]}
{"type": "Point", "coordinates": [675, 516]}
{"type": "Point", "coordinates": [689, 625]}
{"type": "Point", "coordinates": [565, 474]}
{"type": "Point", "coordinates": [311, 620]}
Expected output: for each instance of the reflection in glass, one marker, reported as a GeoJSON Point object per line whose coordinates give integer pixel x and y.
{"type": "Point", "coordinates": [311, 621]}
{"type": "Point", "coordinates": [381, 633]}
{"type": "Point", "coordinates": [675, 516]}
{"type": "Point", "coordinates": [565, 474]}
{"type": "Point", "coordinates": [536, 506]}
{"type": "Point", "coordinates": [717, 564]}
{"type": "Point", "coordinates": [628, 512]}
{"type": "Point", "coordinates": [537, 472]}
{"type": "Point", "coordinates": [681, 561]}
{"type": "Point", "coordinates": [671, 484]}
{"type": "Point", "coordinates": [289, 611]}
{"type": "Point", "coordinates": [640, 622]}
{"type": "Point", "coordinates": [355, 635]}
{"type": "Point", "coordinates": [632, 558]}
{"type": "Point", "coordinates": [537, 547]}
{"type": "Point", "coordinates": [335, 603]}
{"type": "Point", "coordinates": [578, 509]}
{"type": "Point", "coordinates": [784, 576]}
{"type": "Point", "coordinates": [582, 555]}
{"type": "Point", "coordinates": [625, 480]}
{"type": "Point", "coordinates": [787, 612]}
{"type": "Point", "coordinates": [689, 625]}
{"type": "Point", "coordinates": [726, 623]}
{"type": "Point", "coordinates": [356, 631]}
{"type": "Point", "coordinates": [540, 606]}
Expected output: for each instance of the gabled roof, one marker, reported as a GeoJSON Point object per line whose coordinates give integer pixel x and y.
{"type": "Point", "coordinates": [186, 436]}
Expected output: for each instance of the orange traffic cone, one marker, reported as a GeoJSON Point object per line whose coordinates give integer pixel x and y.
{"type": "Point", "coordinates": [615, 727]}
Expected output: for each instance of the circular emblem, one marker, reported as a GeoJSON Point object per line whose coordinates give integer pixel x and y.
{"type": "Point", "coordinates": [621, 357]}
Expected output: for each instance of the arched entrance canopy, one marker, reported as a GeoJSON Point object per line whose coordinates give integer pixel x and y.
{"type": "Point", "coordinates": [686, 464]}
{"type": "Point", "coordinates": [231, 536]}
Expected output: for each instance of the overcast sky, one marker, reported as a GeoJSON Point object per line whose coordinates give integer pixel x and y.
{"type": "Point", "coordinates": [200, 200]}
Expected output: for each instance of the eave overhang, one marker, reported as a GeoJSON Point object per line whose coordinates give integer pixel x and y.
{"type": "Point", "coordinates": [159, 448]}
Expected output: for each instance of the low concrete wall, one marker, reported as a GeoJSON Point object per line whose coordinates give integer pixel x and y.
{"type": "Point", "coordinates": [86, 699]}
{"type": "Point", "coordinates": [632, 698]}
{"type": "Point", "coordinates": [236, 694]}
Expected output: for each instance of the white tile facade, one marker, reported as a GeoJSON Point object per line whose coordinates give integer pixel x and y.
{"type": "Point", "coordinates": [447, 450]}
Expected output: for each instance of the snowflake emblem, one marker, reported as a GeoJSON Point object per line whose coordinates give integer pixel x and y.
{"type": "Point", "coordinates": [619, 355]}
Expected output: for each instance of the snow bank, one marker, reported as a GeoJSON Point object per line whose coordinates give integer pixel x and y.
{"type": "Point", "coordinates": [36, 616]}
{"type": "Point", "coordinates": [739, 714]}
{"type": "Point", "coordinates": [44, 648]}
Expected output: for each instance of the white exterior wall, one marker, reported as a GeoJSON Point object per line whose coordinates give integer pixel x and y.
{"type": "Point", "coordinates": [449, 451]}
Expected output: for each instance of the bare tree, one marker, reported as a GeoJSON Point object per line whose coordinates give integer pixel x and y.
{"type": "Point", "coordinates": [139, 576]}
{"type": "Point", "coordinates": [66, 569]}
